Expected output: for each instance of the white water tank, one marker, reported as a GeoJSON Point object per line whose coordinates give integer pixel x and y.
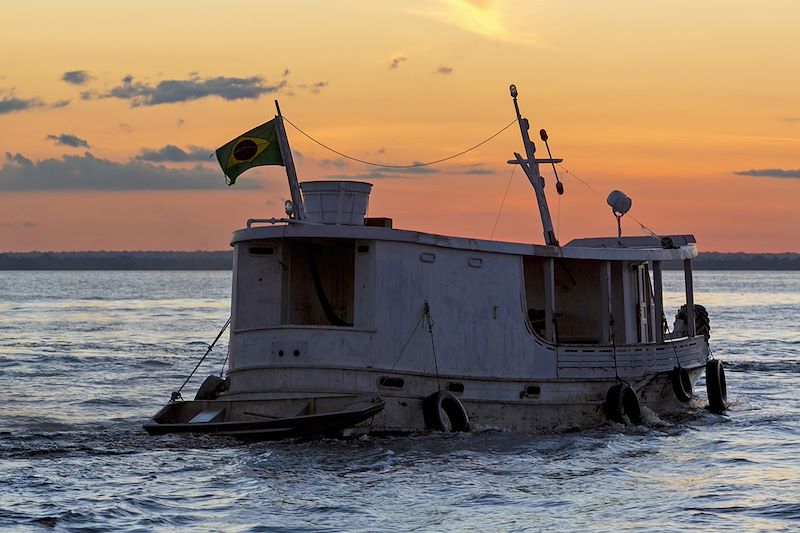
{"type": "Point", "coordinates": [336, 202]}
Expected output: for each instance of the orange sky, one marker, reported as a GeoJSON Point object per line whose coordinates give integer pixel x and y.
{"type": "Point", "coordinates": [666, 100]}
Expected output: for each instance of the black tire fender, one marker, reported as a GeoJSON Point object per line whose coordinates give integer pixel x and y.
{"type": "Point", "coordinates": [681, 384]}
{"type": "Point", "coordinates": [444, 412]}
{"type": "Point", "coordinates": [211, 388]}
{"type": "Point", "coordinates": [622, 401]}
{"type": "Point", "coordinates": [716, 387]}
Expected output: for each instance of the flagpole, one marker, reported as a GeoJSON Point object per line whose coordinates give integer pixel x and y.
{"type": "Point", "coordinates": [291, 173]}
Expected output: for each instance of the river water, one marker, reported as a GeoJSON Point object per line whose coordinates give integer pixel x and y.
{"type": "Point", "coordinates": [86, 357]}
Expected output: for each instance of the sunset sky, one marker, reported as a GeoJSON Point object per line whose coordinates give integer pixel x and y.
{"type": "Point", "coordinates": [109, 111]}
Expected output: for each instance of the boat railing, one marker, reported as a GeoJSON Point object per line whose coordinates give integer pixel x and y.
{"type": "Point", "coordinates": [273, 220]}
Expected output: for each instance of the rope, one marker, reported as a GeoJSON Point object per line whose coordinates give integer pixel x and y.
{"type": "Point", "coordinates": [614, 346]}
{"type": "Point", "coordinates": [176, 395]}
{"type": "Point", "coordinates": [371, 163]}
{"type": "Point", "coordinates": [408, 340]}
{"type": "Point", "coordinates": [502, 203]}
{"type": "Point", "coordinates": [433, 346]}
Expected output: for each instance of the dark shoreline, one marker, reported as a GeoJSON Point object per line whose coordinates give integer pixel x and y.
{"type": "Point", "coordinates": [222, 260]}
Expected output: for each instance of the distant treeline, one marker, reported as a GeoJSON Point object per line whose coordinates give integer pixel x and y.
{"type": "Point", "coordinates": [116, 261]}
{"type": "Point", "coordinates": [223, 260]}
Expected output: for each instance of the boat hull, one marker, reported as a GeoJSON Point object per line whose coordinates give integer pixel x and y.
{"type": "Point", "coordinates": [264, 419]}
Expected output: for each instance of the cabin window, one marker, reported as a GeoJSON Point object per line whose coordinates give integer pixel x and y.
{"type": "Point", "coordinates": [455, 387]}
{"type": "Point", "coordinates": [261, 250]}
{"type": "Point", "coordinates": [390, 382]}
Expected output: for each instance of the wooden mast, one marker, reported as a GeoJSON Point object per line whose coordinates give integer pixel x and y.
{"type": "Point", "coordinates": [288, 161]}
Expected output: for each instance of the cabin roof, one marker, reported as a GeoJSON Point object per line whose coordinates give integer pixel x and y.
{"type": "Point", "coordinates": [600, 248]}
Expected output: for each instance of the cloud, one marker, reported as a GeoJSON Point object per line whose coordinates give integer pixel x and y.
{"type": "Point", "coordinates": [317, 87]}
{"type": "Point", "coordinates": [285, 72]}
{"type": "Point", "coordinates": [76, 77]}
{"type": "Point", "coordinates": [58, 104]}
{"type": "Point", "coordinates": [193, 88]}
{"type": "Point", "coordinates": [11, 104]}
{"type": "Point", "coordinates": [486, 18]}
{"type": "Point", "coordinates": [87, 172]}
{"type": "Point", "coordinates": [333, 163]}
{"type": "Point", "coordinates": [171, 153]}
{"type": "Point", "coordinates": [444, 70]}
{"type": "Point", "coordinates": [396, 61]}
{"type": "Point", "coordinates": [66, 139]}
{"type": "Point", "coordinates": [26, 224]}
{"type": "Point", "coordinates": [770, 173]}
{"type": "Point", "coordinates": [791, 119]}
{"type": "Point", "coordinates": [378, 173]}
{"type": "Point", "coordinates": [475, 170]}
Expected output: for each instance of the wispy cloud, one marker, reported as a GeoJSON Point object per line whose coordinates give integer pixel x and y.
{"type": "Point", "coordinates": [76, 77]}
{"type": "Point", "coordinates": [791, 119]}
{"type": "Point", "coordinates": [444, 70]}
{"type": "Point", "coordinates": [395, 62]}
{"type": "Point", "coordinates": [67, 139]}
{"type": "Point", "coordinates": [333, 163]}
{"type": "Point", "coordinates": [378, 173]}
{"type": "Point", "coordinates": [313, 87]}
{"type": "Point", "coordinates": [486, 18]}
{"type": "Point", "coordinates": [770, 173]}
{"type": "Point", "coordinates": [12, 104]}
{"type": "Point", "coordinates": [474, 170]}
{"type": "Point", "coordinates": [173, 154]}
{"type": "Point", "coordinates": [87, 172]}
{"type": "Point", "coordinates": [193, 88]}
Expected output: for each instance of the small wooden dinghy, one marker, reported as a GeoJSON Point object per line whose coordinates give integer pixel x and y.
{"type": "Point", "coordinates": [264, 419]}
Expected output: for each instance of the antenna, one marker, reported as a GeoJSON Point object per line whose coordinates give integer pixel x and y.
{"type": "Point", "coordinates": [530, 166]}
{"type": "Point", "coordinates": [559, 185]}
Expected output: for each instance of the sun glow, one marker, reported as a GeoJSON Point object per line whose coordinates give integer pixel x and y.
{"type": "Point", "coordinates": [486, 18]}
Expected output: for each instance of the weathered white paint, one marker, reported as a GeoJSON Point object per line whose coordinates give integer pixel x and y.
{"type": "Point", "coordinates": [478, 294]}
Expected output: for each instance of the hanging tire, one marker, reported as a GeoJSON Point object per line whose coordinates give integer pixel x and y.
{"type": "Point", "coordinates": [716, 387]}
{"type": "Point", "coordinates": [622, 401]}
{"type": "Point", "coordinates": [444, 412]}
{"type": "Point", "coordinates": [681, 384]}
{"type": "Point", "coordinates": [211, 388]}
{"type": "Point", "coordinates": [702, 324]}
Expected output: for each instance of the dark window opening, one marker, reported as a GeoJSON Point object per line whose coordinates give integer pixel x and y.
{"type": "Point", "coordinates": [321, 283]}
{"type": "Point", "coordinates": [455, 387]}
{"type": "Point", "coordinates": [261, 250]}
{"type": "Point", "coordinates": [391, 382]}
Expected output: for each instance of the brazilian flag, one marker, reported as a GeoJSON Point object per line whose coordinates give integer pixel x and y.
{"type": "Point", "coordinates": [257, 147]}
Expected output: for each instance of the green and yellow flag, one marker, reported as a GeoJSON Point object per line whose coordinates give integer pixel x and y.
{"type": "Point", "coordinates": [257, 147]}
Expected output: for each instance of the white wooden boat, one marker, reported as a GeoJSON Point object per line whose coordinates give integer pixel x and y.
{"type": "Point", "coordinates": [454, 333]}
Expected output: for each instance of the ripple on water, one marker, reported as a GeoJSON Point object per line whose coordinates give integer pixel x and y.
{"type": "Point", "coordinates": [87, 357]}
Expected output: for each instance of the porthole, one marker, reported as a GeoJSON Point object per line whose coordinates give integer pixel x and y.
{"type": "Point", "coordinates": [455, 387]}
{"type": "Point", "coordinates": [390, 382]}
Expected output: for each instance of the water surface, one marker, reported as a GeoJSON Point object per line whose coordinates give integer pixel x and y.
{"type": "Point", "coordinates": [86, 357]}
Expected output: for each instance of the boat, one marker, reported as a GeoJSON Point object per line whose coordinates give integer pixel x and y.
{"type": "Point", "coordinates": [342, 324]}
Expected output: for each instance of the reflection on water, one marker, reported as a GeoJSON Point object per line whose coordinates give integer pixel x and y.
{"type": "Point", "coordinates": [85, 357]}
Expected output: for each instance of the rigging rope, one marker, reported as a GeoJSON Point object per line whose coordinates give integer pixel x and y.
{"type": "Point", "coordinates": [502, 203]}
{"type": "Point", "coordinates": [371, 163]}
{"type": "Point", "coordinates": [641, 224]}
{"type": "Point", "coordinates": [176, 395]}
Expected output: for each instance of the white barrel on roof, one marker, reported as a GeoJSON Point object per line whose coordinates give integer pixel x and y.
{"type": "Point", "coordinates": [336, 202]}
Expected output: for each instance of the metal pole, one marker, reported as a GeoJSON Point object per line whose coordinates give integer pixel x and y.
{"type": "Point", "coordinates": [658, 292]}
{"type": "Point", "coordinates": [687, 276]}
{"type": "Point", "coordinates": [288, 161]}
